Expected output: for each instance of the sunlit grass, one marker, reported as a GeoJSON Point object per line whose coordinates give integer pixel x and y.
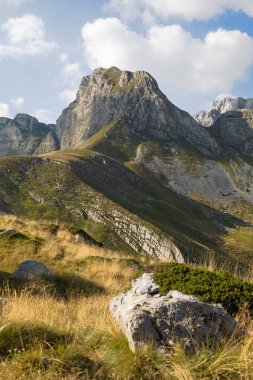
{"type": "Point", "coordinates": [97, 349]}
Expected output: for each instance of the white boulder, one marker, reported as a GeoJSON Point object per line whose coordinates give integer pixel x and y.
{"type": "Point", "coordinates": [144, 316]}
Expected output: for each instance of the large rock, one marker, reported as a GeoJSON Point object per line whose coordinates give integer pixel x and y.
{"type": "Point", "coordinates": [145, 316]}
{"type": "Point", "coordinates": [30, 269]}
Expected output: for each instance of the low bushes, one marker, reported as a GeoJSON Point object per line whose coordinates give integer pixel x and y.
{"type": "Point", "coordinates": [212, 287]}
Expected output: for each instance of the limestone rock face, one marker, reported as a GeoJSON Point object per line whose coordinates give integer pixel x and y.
{"type": "Point", "coordinates": [234, 130]}
{"type": "Point", "coordinates": [25, 135]}
{"type": "Point", "coordinates": [219, 107]}
{"type": "Point", "coordinates": [144, 239]}
{"type": "Point", "coordinates": [29, 269]}
{"type": "Point", "coordinates": [145, 316]}
{"type": "Point", "coordinates": [134, 102]}
{"type": "Point", "coordinates": [48, 144]}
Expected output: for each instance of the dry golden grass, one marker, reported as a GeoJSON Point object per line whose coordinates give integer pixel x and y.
{"type": "Point", "coordinates": [89, 313]}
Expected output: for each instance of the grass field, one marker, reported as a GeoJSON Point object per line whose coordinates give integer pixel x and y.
{"type": "Point", "coordinates": [61, 328]}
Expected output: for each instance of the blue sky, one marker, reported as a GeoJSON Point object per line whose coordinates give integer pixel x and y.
{"type": "Point", "coordinates": [197, 50]}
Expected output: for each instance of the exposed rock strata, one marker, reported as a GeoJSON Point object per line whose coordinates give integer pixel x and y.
{"type": "Point", "coordinates": [143, 239]}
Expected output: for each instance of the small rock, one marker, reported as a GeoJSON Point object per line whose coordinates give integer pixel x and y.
{"type": "Point", "coordinates": [7, 232]}
{"type": "Point", "coordinates": [145, 285]}
{"type": "Point", "coordinates": [29, 269]}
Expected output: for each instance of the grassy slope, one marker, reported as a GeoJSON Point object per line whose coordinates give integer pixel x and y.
{"type": "Point", "coordinates": [62, 329]}
{"type": "Point", "coordinates": [54, 186]}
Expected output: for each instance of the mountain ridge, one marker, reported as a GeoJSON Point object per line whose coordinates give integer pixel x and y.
{"type": "Point", "coordinates": [219, 107]}
{"type": "Point", "coordinates": [138, 173]}
{"type": "Point", "coordinates": [24, 134]}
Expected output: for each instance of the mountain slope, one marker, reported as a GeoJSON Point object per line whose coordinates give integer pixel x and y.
{"type": "Point", "coordinates": [139, 174]}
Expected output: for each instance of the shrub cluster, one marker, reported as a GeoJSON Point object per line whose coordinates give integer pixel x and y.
{"type": "Point", "coordinates": [212, 287]}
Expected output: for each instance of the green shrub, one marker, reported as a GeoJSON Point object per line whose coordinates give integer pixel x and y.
{"type": "Point", "coordinates": [219, 287]}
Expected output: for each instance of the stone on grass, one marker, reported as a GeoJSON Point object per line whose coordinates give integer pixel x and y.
{"type": "Point", "coordinates": [7, 232]}
{"type": "Point", "coordinates": [144, 316]}
{"type": "Point", "coordinates": [29, 269]}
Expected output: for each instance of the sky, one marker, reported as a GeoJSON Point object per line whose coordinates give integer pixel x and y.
{"type": "Point", "coordinates": [197, 50]}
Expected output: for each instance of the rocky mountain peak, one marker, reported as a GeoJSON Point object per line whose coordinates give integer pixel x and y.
{"type": "Point", "coordinates": [133, 102]}
{"type": "Point", "coordinates": [26, 135]}
{"type": "Point", "coordinates": [219, 107]}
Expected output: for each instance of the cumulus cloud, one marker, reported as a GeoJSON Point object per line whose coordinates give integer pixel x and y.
{"type": "Point", "coordinates": [13, 2]}
{"type": "Point", "coordinates": [18, 102]}
{"type": "Point", "coordinates": [72, 71]}
{"type": "Point", "coordinates": [44, 116]}
{"type": "Point", "coordinates": [68, 95]}
{"type": "Point", "coordinates": [4, 110]}
{"type": "Point", "coordinates": [24, 35]}
{"type": "Point", "coordinates": [71, 74]}
{"type": "Point", "coordinates": [185, 9]}
{"type": "Point", "coordinates": [178, 60]}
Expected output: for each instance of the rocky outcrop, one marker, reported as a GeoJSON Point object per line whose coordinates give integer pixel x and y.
{"type": "Point", "coordinates": [30, 269]}
{"type": "Point", "coordinates": [144, 316]}
{"type": "Point", "coordinates": [234, 130]}
{"type": "Point", "coordinates": [134, 103]}
{"type": "Point", "coordinates": [219, 107]}
{"type": "Point", "coordinates": [144, 239]}
{"type": "Point", "coordinates": [25, 135]}
{"type": "Point", "coordinates": [48, 144]}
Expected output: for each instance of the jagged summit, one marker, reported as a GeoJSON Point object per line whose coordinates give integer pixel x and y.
{"type": "Point", "coordinates": [219, 107]}
{"type": "Point", "coordinates": [115, 112]}
{"type": "Point", "coordinates": [123, 78]}
{"type": "Point", "coordinates": [133, 103]}
{"type": "Point", "coordinates": [26, 135]}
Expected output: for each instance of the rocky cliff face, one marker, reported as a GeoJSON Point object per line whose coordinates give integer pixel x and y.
{"type": "Point", "coordinates": [132, 102]}
{"type": "Point", "coordinates": [234, 130]}
{"type": "Point", "coordinates": [25, 135]}
{"type": "Point", "coordinates": [219, 107]}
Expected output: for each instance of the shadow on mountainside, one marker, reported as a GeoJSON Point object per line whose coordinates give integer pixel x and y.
{"type": "Point", "coordinates": [196, 227]}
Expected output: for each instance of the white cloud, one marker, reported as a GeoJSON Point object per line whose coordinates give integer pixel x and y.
{"type": "Point", "coordinates": [24, 35]}
{"type": "Point", "coordinates": [63, 57]}
{"type": "Point", "coordinates": [72, 71]}
{"type": "Point", "coordinates": [186, 9]}
{"type": "Point", "coordinates": [13, 2]}
{"type": "Point", "coordinates": [44, 116]}
{"type": "Point", "coordinates": [173, 56]}
{"type": "Point", "coordinates": [71, 75]}
{"type": "Point", "coordinates": [68, 95]}
{"type": "Point", "coordinates": [18, 102]}
{"type": "Point", "coordinates": [4, 110]}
